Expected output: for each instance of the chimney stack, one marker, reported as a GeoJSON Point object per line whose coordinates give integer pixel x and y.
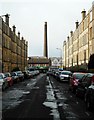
{"type": "Point", "coordinates": [64, 43]}
{"type": "Point", "coordinates": [77, 24]}
{"type": "Point", "coordinates": [19, 35]}
{"type": "Point", "coordinates": [7, 19]}
{"type": "Point", "coordinates": [14, 29]}
{"type": "Point", "coordinates": [68, 38]}
{"type": "Point", "coordinates": [83, 14]}
{"type": "Point", "coordinates": [45, 41]}
{"type": "Point", "coordinates": [71, 33]}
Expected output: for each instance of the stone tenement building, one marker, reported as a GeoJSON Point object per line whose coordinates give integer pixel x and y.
{"type": "Point", "coordinates": [79, 46]}
{"type": "Point", "coordinates": [13, 49]}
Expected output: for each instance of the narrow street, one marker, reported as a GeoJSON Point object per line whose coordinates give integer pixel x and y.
{"type": "Point", "coordinates": [45, 98]}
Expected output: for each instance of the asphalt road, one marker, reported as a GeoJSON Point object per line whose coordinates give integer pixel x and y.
{"type": "Point", "coordinates": [42, 98]}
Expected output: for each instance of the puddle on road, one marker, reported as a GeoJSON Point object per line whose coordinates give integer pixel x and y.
{"type": "Point", "coordinates": [51, 101]}
{"type": "Point", "coordinates": [35, 88]}
{"type": "Point", "coordinates": [26, 92]}
{"type": "Point", "coordinates": [50, 104]}
{"type": "Point", "coordinates": [55, 114]}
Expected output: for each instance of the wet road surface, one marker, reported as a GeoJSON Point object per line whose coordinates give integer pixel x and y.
{"type": "Point", "coordinates": [43, 98]}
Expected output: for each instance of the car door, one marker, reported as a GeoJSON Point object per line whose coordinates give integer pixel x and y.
{"type": "Point", "coordinates": [81, 86]}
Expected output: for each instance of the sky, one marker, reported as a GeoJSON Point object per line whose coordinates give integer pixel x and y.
{"type": "Point", "coordinates": [29, 17]}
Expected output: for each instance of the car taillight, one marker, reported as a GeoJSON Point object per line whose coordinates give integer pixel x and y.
{"type": "Point", "coordinates": [75, 82]}
{"type": "Point", "coordinates": [92, 81]}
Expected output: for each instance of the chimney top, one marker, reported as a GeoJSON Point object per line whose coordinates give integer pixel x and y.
{"type": "Point", "coordinates": [77, 24]}
{"type": "Point", "coordinates": [68, 38]}
{"type": "Point", "coordinates": [45, 22]}
{"type": "Point", "coordinates": [19, 35]}
{"type": "Point", "coordinates": [7, 19]}
{"type": "Point", "coordinates": [83, 14]}
{"type": "Point", "coordinates": [64, 43]}
{"type": "Point", "coordinates": [71, 33]}
{"type": "Point", "coordinates": [14, 28]}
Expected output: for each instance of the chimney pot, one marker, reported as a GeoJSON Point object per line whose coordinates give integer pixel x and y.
{"type": "Point", "coordinates": [71, 33]}
{"type": "Point", "coordinates": [7, 19]}
{"type": "Point", "coordinates": [77, 24]}
{"type": "Point", "coordinates": [68, 38]}
{"type": "Point", "coordinates": [83, 14]}
{"type": "Point", "coordinates": [14, 28]}
{"type": "Point", "coordinates": [19, 35]}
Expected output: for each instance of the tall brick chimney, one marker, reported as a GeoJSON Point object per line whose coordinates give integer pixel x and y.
{"type": "Point", "coordinates": [45, 41]}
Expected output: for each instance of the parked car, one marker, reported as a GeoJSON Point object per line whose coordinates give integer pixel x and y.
{"type": "Point", "coordinates": [64, 75]}
{"type": "Point", "coordinates": [74, 80]}
{"type": "Point", "coordinates": [83, 85]}
{"type": "Point", "coordinates": [89, 95]}
{"type": "Point", "coordinates": [9, 78]}
{"type": "Point", "coordinates": [20, 75]}
{"type": "Point", "coordinates": [3, 82]}
{"type": "Point", "coordinates": [27, 74]}
{"type": "Point", "coordinates": [15, 77]}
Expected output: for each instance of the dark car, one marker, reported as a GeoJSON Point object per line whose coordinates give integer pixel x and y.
{"type": "Point", "coordinates": [89, 95]}
{"type": "Point", "coordinates": [20, 75]}
{"type": "Point", "coordinates": [15, 77]}
{"type": "Point", "coordinates": [27, 74]}
{"type": "Point", "coordinates": [83, 85]}
{"type": "Point", "coordinates": [74, 80]}
{"type": "Point", "coordinates": [49, 72]}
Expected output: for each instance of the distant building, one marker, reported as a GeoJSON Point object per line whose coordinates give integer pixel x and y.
{"type": "Point", "coordinates": [13, 49]}
{"type": "Point", "coordinates": [79, 46]}
{"type": "Point", "coordinates": [56, 61]}
{"type": "Point", "coordinates": [38, 61]}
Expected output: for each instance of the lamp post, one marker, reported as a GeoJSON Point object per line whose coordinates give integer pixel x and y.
{"type": "Point", "coordinates": [60, 56]}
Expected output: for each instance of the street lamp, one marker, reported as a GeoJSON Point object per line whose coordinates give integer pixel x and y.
{"type": "Point", "coordinates": [60, 56]}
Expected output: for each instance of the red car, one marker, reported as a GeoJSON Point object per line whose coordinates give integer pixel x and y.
{"type": "Point", "coordinates": [75, 80]}
{"type": "Point", "coordinates": [9, 78]}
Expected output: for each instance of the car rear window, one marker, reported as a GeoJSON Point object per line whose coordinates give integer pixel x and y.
{"type": "Point", "coordinates": [66, 73]}
{"type": "Point", "coordinates": [78, 76]}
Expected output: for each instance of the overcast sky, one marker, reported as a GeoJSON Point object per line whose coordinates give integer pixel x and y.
{"type": "Point", "coordinates": [29, 16]}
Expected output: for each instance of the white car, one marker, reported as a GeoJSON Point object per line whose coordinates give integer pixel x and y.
{"type": "Point", "coordinates": [65, 75]}
{"type": "Point", "coordinates": [3, 82]}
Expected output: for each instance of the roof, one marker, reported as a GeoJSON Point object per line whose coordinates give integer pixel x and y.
{"type": "Point", "coordinates": [38, 60]}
